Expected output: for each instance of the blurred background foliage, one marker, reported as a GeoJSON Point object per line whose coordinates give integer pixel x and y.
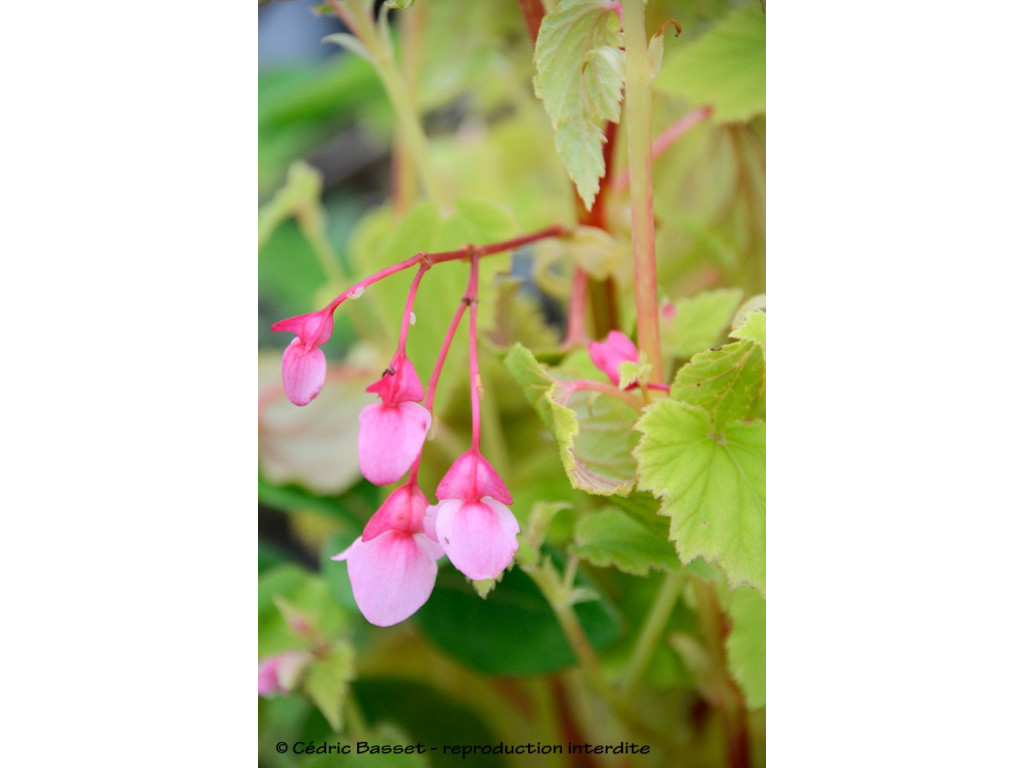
{"type": "Point", "coordinates": [466, 670]}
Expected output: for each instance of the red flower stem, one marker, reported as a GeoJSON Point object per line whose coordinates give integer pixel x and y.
{"type": "Point", "coordinates": [668, 137]}
{"type": "Point", "coordinates": [474, 364]}
{"type": "Point", "coordinates": [435, 375]}
{"type": "Point", "coordinates": [430, 259]}
{"type": "Point", "coordinates": [407, 317]}
{"type": "Point", "coordinates": [576, 330]}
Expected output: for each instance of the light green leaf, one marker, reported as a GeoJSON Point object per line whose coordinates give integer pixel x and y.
{"type": "Point", "coordinates": [631, 373]}
{"type": "Point", "coordinates": [729, 382]}
{"type": "Point", "coordinates": [580, 72]}
{"type": "Point", "coordinates": [698, 322]}
{"type": "Point", "coordinates": [350, 43]}
{"type": "Point", "coordinates": [725, 68]}
{"type": "Point", "coordinates": [753, 329]}
{"type": "Point", "coordinates": [327, 682]}
{"type": "Point", "coordinates": [611, 537]}
{"type": "Point", "coordinates": [746, 645]}
{"type": "Point", "coordinates": [593, 431]}
{"type": "Point", "coordinates": [712, 486]}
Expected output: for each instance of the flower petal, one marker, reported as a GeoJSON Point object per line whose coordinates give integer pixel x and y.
{"type": "Point", "coordinates": [479, 537]}
{"type": "Point", "coordinates": [303, 372]}
{"type": "Point", "coordinates": [616, 349]}
{"type": "Point", "coordinates": [392, 576]}
{"type": "Point", "coordinates": [390, 439]}
{"type": "Point", "coordinates": [313, 329]}
{"type": "Point", "coordinates": [399, 383]}
{"type": "Point", "coordinates": [402, 511]}
{"type": "Point", "coordinates": [471, 478]}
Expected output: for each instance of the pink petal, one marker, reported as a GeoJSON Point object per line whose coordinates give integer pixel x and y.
{"type": "Point", "coordinates": [399, 383]}
{"type": "Point", "coordinates": [392, 576]}
{"type": "Point", "coordinates": [430, 522]}
{"type": "Point", "coordinates": [479, 537]}
{"type": "Point", "coordinates": [314, 329]}
{"type": "Point", "coordinates": [390, 439]}
{"type": "Point", "coordinates": [471, 478]}
{"type": "Point", "coordinates": [616, 349]}
{"type": "Point", "coordinates": [303, 372]}
{"type": "Point", "coordinates": [402, 511]}
{"type": "Point", "coordinates": [280, 674]}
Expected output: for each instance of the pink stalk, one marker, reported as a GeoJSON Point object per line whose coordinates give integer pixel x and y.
{"type": "Point", "coordinates": [407, 317]}
{"type": "Point", "coordinates": [669, 136]}
{"type": "Point", "coordinates": [576, 332]}
{"type": "Point", "coordinates": [474, 364]}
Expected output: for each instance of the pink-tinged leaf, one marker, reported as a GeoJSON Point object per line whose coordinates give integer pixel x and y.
{"type": "Point", "coordinates": [303, 372]}
{"type": "Point", "coordinates": [402, 511]}
{"type": "Point", "coordinates": [390, 439]}
{"type": "Point", "coordinates": [471, 478]}
{"type": "Point", "coordinates": [616, 349]}
{"type": "Point", "coordinates": [479, 537]}
{"type": "Point", "coordinates": [313, 329]}
{"type": "Point", "coordinates": [392, 576]}
{"type": "Point", "coordinates": [399, 383]}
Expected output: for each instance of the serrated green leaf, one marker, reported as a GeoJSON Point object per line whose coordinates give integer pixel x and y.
{"type": "Point", "coordinates": [611, 537]}
{"type": "Point", "coordinates": [753, 329]}
{"type": "Point", "coordinates": [580, 72]}
{"type": "Point", "coordinates": [631, 373]}
{"type": "Point", "coordinates": [327, 682]}
{"type": "Point", "coordinates": [725, 68]}
{"type": "Point", "coordinates": [746, 645]}
{"type": "Point", "coordinates": [712, 486]}
{"type": "Point", "coordinates": [593, 431]}
{"type": "Point", "coordinates": [729, 382]}
{"type": "Point", "coordinates": [699, 321]}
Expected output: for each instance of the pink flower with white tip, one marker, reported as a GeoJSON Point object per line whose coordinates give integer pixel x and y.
{"type": "Point", "coordinates": [391, 432]}
{"type": "Point", "coordinates": [280, 674]}
{"type": "Point", "coordinates": [471, 520]}
{"type": "Point", "coordinates": [617, 348]}
{"type": "Point", "coordinates": [393, 565]}
{"type": "Point", "coordinates": [304, 367]}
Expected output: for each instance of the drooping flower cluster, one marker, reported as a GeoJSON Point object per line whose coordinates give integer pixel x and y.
{"type": "Point", "coordinates": [393, 564]}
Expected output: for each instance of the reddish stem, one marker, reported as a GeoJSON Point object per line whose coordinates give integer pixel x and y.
{"type": "Point", "coordinates": [668, 137]}
{"type": "Point", "coordinates": [474, 363]}
{"type": "Point", "coordinates": [407, 317]}
{"type": "Point", "coordinates": [533, 14]}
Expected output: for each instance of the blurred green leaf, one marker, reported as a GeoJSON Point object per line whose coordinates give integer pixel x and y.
{"type": "Point", "coordinates": [304, 591]}
{"type": "Point", "coordinates": [725, 68]}
{"type": "Point", "coordinates": [611, 537]}
{"type": "Point", "coordinates": [513, 631]}
{"type": "Point", "coordinates": [699, 322]}
{"type": "Point", "coordinates": [746, 644]}
{"type": "Point", "coordinates": [327, 682]}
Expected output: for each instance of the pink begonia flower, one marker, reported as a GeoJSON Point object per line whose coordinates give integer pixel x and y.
{"type": "Point", "coordinates": [279, 674]}
{"type": "Point", "coordinates": [391, 432]}
{"type": "Point", "coordinates": [617, 348]}
{"type": "Point", "coordinates": [393, 565]}
{"type": "Point", "coordinates": [471, 520]}
{"type": "Point", "coordinates": [303, 366]}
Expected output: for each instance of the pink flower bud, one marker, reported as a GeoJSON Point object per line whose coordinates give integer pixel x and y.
{"type": "Point", "coordinates": [617, 348]}
{"type": "Point", "coordinates": [303, 367]}
{"type": "Point", "coordinates": [402, 511]}
{"type": "Point", "coordinates": [390, 439]}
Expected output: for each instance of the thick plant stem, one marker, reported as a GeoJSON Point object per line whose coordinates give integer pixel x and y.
{"type": "Point", "coordinates": [641, 195]}
{"type": "Point", "coordinates": [654, 626]}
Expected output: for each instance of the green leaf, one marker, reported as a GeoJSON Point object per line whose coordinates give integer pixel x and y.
{"type": "Point", "coordinates": [752, 329]}
{"type": "Point", "coordinates": [327, 682]}
{"type": "Point", "coordinates": [612, 537]}
{"type": "Point", "coordinates": [746, 645]}
{"type": "Point", "coordinates": [699, 321]}
{"type": "Point", "coordinates": [513, 631]}
{"type": "Point", "coordinates": [729, 382]}
{"type": "Point", "coordinates": [712, 486]}
{"type": "Point", "coordinates": [593, 431]}
{"type": "Point", "coordinates": [725, 68]}
{"type": "Point", "coordinates": [304, 592]}
{"type": "Point", "coordinates": [580, 72]}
